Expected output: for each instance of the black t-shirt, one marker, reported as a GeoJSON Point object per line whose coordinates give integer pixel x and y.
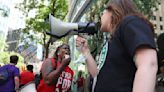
{"type": "Point", "coordinates": [119, 69]}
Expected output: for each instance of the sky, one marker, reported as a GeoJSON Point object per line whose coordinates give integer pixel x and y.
{"type": "Point", "coordinates": [16, 18]}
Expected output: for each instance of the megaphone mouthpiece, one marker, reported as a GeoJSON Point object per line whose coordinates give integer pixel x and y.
{"type": "Point", "coordinates": [89, 28]}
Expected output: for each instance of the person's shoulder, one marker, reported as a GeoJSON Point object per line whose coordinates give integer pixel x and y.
{"type": "Point", "coordinates": [49, 59]}
{"type": "Point", "coordinates": [22, 73]}
{"type": "Point", "coordinates": [16, 68]}
{"type": "Point", "coordinates": [129, 18]}
{"type": "Point", "coordinates": [70, 70]}
{"type": "Point", "coordinates": [7, 65]}
{"type": "Point", "coordinates": [29, 73]}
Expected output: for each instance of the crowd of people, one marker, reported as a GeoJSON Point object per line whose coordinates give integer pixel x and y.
{"type": "Point", "coordinates": [130, 64]}
{"type": "Point", "coordinates": [55, 74]}
{"type": "Point", "coordinates": [54, 71]}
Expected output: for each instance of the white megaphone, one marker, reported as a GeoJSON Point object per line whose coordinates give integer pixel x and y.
{"type": "Point", "coordinates": [60, 29]}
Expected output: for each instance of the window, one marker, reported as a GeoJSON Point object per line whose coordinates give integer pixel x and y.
{"type": "Point", "coordinates": [155, 26]}
{"type": "Point", "coordinates": [161, 27]}
{"type": "Point", "coordinates": [161, 18]}
{"type": "Point", "coordinates": [154, 17]}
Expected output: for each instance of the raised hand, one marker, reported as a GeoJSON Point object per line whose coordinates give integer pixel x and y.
{"type": "Point", "coordinates": [82, 45]}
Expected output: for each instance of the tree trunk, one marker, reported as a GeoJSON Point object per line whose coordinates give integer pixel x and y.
{"type": "Point", "coordinates": [47, 47]}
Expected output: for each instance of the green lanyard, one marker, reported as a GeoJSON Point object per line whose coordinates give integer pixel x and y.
{"type": "Point", "coordinates": [103, 55]}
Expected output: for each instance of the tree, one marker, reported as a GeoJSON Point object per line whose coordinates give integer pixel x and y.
{"type": "Point", "coordinates": [38, 24]}
{"type": "Point", "coordinates": [3, 44]}
{"type": "Point", "coordinates": [5, 12]}
{"type": "Point", "coordinates": [146, 6]}
{"type": "Point", "coordinates": [5, 57]}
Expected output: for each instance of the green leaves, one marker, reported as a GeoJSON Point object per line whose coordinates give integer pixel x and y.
{"type": "Point", "coordinates": [5, 57]}
{"type": "Point", "coordinates": [4, 11]}
{"type": "Point", "coordinates": [146, 6]}
{"type": "Point", "coordinates": [37, 26]}
{"type": "Point", "coordinates": [3, 44]}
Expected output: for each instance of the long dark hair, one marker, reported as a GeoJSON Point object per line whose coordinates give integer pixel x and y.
{"type": "Point", "coordinates": [122, 8]}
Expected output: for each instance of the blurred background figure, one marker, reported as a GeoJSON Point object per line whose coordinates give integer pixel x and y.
{"type": "Point", "coordinates": [80, 82]}
{"type": "Point", "coordinates": [57, 76]}
{"type": "Point", "coordinates": [11, 80]}
{"type": "Point", "coordinates": [160, 44]}
{"type": "Point", "coordinates": [27, 76]}
{"type": "Point", "coordinates": [160, 79]}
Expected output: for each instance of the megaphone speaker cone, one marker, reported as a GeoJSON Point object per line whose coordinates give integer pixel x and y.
{"type": "Point", "coordinates": [60, 28]}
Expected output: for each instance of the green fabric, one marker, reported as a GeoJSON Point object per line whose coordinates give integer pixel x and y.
{"type": "Point", "coordinates": [103, 55]}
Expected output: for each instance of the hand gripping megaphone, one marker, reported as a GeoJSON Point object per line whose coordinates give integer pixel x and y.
{"type": "Point", "coordinates": [60, 29]}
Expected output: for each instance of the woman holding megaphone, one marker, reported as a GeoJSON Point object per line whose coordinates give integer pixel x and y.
{"type": "Point", "coordinates": [131, 61]}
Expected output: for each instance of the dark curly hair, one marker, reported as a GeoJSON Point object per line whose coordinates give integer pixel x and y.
{"type": "Point", "coordinates": [58, 49]}
{"type": "Point", "coordinates": [14, 59]}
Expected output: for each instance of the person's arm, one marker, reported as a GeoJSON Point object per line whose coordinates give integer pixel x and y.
{"type": "Point", "coordinates": [16, 80]}
{"type": "Point", "coordinates": [51, 76]}
{"type": "Point", "coordinates": [91, 64]}
{"type": "Point", "coordinates": [81, 43]}
{"type": "Point", "coordinates": [146, 63]}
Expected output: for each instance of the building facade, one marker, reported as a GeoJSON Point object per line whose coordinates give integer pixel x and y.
{"type": "Point", "coordinates": [158, 18]}
{"type": "Point", "coordinates": [11, 18]}
{"type": "Point", "coordinates": [4, 17]}
{"type": "Point", "coordinates": [12, 40]}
